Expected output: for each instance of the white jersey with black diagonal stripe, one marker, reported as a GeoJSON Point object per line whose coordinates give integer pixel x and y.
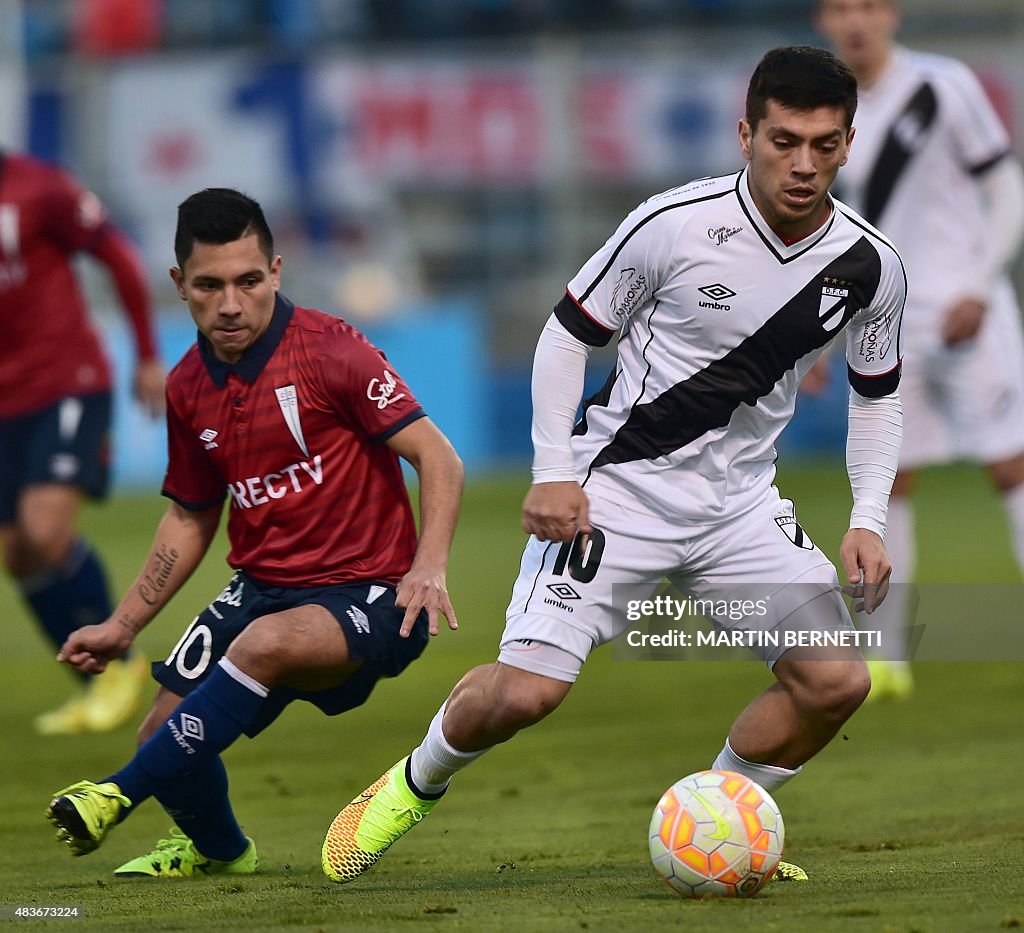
{"type": "Point", "coordinates": [719, 322]}
{"type": "Point", "coordinates": [925, 128]}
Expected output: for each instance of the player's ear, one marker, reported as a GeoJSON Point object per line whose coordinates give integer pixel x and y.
{"type": "Point", "coordinates": [849, 143]}
{"type": "Point", "coordinates": [745, 133]}
{"type": "Point", "coordinates": [178, 277]}
{"type": "Point", "coordinates": [275, 272]}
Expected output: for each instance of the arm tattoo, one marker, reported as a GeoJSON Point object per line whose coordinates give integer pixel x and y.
{"type": "Point", "coordinates": [154, 581]}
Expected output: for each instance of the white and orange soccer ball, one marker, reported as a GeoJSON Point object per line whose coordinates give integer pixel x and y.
{"type": "Point", "coordinates": [716, 834]}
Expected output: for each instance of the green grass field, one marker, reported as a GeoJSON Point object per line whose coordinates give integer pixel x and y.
{"type": "Point", "coordinates": [912, 821]}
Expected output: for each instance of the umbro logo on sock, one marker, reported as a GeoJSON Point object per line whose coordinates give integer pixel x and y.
{"type": "Point", "coordinates": [192, 726]}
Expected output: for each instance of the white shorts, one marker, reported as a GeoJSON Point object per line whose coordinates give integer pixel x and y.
{"type": "Point", "coordinates": [576, 601]}
{"type": "Point", "coordinates": [966, 402]}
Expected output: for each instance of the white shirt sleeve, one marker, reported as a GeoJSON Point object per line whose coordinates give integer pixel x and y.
{"type": "Point", "coordinates": [1002, 188]}
{"type": "Point", "coordinates": [872, 456]}
{"type": "Point", "coordinates": [559, 365]}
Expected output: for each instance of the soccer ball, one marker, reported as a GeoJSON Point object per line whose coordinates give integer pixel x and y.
{"type": "Point", "coordinates": [716, 834]}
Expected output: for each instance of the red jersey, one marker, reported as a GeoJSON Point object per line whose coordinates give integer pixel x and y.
{"type": "Point", "coordinates": [49, 348]}
{"type": "Point", "coordinates": [293, 434]}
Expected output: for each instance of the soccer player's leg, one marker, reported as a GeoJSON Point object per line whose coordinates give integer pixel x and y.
{"type": "Point", "coordinates": [200, 807]}
{"type": "Point", "coordinates": [993, 405]}
{"type": "Point", "coordinates": [61, 459]}
{"type": "Point", "coordinates": [176, 741]}
{"type": "Point", "coordinates": [791, 613]}
{"type": "Point", "coordinates": [928, 438]}
{"type": "Point", "coordinates": [567, 599]}
{"type": "Point", "coordinates": [488, 706]}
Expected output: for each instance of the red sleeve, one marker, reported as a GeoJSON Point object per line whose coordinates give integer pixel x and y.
{"type": "Point", "coordinates": [365, 387]}
{"type": "Point", "coordinates": [116, 252]}
{"type": "Point", "coordinates": [77, 219]}
{"type": "Point", "coordinates": [191, 480]}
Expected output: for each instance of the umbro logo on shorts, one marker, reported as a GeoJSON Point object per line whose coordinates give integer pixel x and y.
{"type": "Point", "coordinates": [563, 591]}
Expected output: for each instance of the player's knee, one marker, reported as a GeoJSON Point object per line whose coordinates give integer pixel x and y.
{"type": "Point", "coordinates": [37, 546]}
{"type": "Point", "coordinates": [835, 691]}
{"type": "Point", "coordinates": [263, 650]}
{"type": "Point", "coordinates": [527, 699]}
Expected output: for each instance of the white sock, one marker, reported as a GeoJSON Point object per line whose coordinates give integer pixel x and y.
{"type": "Point", "coordinates": [770, 777]}
{"type": "Point", "coordinates": [891, 618]}
{"type": "Point", "coordinates": [1013, 502]}
{"type": "Point", "coordinates": [434, 761]}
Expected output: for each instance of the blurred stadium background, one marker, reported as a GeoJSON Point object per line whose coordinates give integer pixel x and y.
{"type": "Point", "coordinates": [435, 170]}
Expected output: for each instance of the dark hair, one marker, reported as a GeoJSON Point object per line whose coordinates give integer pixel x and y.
{"type": "Point", "coordinates": [219, 215]}
{"type": "Point", "coordinates": [801, 77]}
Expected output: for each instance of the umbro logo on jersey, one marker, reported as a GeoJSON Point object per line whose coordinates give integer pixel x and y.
{"type": "Point", "coordinates": [207, 437]}
{"type": "Point", "coordinates": [834, 295]}
{"type": "Point", "coordinates": [717, 293]}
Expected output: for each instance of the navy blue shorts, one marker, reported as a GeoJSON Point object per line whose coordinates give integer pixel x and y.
{"type": "Point", "coordinates": [366, 613]}
{"type": "Point", "coordinates": [67, 443]}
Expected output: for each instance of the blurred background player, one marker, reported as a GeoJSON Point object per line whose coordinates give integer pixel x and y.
{"type": "Point", "coordinates": [293, 417]}
{"type": "Point", "coordinates": [55, 399]}
{"type": "Point", "coordinates": [932, 169]}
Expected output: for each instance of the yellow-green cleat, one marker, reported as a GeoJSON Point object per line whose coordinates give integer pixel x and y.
{"type": "Point", "coordinates": [177, 857]}
{"type": "Point", "coordinates": [787, 871]}
{"type": "Point", "coordinates": [890, 680]}
{"type": "Point", "coordinates": [108, 702]}
{"type": "Point", "coordinates": [113, 696]}
{"type": "Point", "coordinates": [67, 719]}
{"type": "Point", "coordinates": [84, 813]}
{"type": "Point", "coordinates": [371, 824]}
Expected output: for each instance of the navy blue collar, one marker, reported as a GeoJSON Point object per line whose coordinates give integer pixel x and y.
{"type": "Point", "coordinates": [257, 356]}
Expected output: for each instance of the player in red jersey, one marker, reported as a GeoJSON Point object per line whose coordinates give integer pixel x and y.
{"type": "Point", "coordinates": [297, 421]}
{"type": "Point", "coordinates": [55, 386]}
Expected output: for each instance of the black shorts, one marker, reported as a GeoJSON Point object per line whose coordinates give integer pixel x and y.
{"type": "Point", "coordinates": [366, 613]}
{"type": "Point", "coordinates": [67, 443]}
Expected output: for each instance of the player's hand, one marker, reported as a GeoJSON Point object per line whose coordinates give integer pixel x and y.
{"type": "Point", "coordinates": [424, 589]}
{"type": "Point", "coordinates": [963, 321]}
{"type": "Point", "coordinates": [556, 511]}
{"type": "Point", "coordinates": [816, 379]}
{"type": "Point", "coordinates": [148, 387]}
{"type": "Point", "coordinates": [867, 568]}
{"type": "Point", "coordinates": [89, 649]}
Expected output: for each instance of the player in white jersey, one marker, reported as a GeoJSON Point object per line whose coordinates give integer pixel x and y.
{"type": "Point", "coordinates": [932, 169]}
{"type": "Point", "coordinates": [723, 293]}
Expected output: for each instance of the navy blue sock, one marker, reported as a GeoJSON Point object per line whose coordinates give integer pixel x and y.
{"type": "Point", "coordinates": [206, 722]}
{"type": "Point", "coordinates": [73, 594]}
{"type": "Point", "coordinates": [198, 803]}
